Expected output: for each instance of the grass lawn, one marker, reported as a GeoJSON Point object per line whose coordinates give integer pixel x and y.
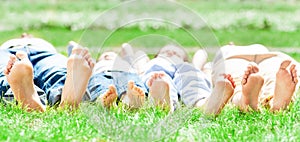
{"type": "Point", "coordinates": [92, 123]}
{"type": "Point", "coordinates": [271, 23]}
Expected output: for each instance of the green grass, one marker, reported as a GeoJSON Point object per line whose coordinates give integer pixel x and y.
{"type": "Point", "coordinates": [93, 123]}
{"type": "Point", "coordinates": [243, 22]}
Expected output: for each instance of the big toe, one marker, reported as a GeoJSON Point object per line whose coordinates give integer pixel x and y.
{"type": "Point", "coordinates": [21, 55]}
{"type": "Point", "coordinates": [130, 84]}
{"type": "Point", "coordinates": [127, 49]}
{"type": "Point", "coordinates": [284, 64]}
{"type": "Point", "coordinates": [77, 50]}
{"type": "Point", "coordinates": [84, 52]}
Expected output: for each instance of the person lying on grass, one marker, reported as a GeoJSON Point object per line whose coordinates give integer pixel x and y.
{"type": "Point", "coordinates": [64, 80]}
{"type": "Point", "coordinates": [169, 77]}
{"type": "Point", "coordinates": [26, 67]}
{"type": "Point", "coordinates": [262, 78]}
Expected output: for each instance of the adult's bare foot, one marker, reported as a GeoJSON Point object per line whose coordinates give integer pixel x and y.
{"type": "Point", "coordinates": [140, 60]}
{"type": "Point", "coordinates": [127, 52]}
{"type": "Point", "coordinates": [26, 35]}
{"type": "Point", "coordinates": [222, 92]}
{"type": "Point", "coordinates": [135, 95]}
{"type": "Point", "coordinates": [252, 83]}
{"type": "Point", "coordinates": [286, 81]}
{"type": "Point", "coordinates": [79, 70]}
{"type": "Point", "coordinates": [19, 74]}
{"type": "Point", "coordinates": [160, 90]}
{"type": "Point", "coordinates": [200, 58]}
{"type": "Point", "coordinates": [109, 98]}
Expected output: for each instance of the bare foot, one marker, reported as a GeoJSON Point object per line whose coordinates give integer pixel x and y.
{"type": "Point", "coordinates": [19, 75]}
{"type": "Point", "coordinates": [79, 71]}
{"type": "Point", "coordinates": [251, 86]}
{"type": "Point", "coordinates": [200, 58]}
{"type": "Point", "coordinates": [222, 92]}
{"type": "Point", "coordinates": [135, 95]}
{"type": "Point", "coordinates": [139, 62]}
{"type": "Point", "coordinates": [26, 35]}
{"type": "Point", "coordinates": [127, 52]}
{"type": "Point", "coordinates": [160, 90]}
{"type": "Point", "coordinates": [286, 81]}
{"type": "Point", "coordinates": [70, 47]}
{"type": "Point", "coordinates": [109, 98]}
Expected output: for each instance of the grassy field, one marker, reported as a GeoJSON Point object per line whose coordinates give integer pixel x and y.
{"type": "Point", "coordinates": [271, 23]}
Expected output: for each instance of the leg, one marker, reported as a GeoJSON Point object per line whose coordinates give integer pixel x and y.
{"type": "Point", "coordinates": [222, 92]}
{"type": "Point", "coordinates": [49, 72]}
{"type": "Point", "coordinates": [117, 84]}
{"type": "Point", "coordinates": [79, 71]}
{"type": "Point", "coordinates": [4, 59]}
{"type": "Point", "coordinates": [251, 86]}
{"type": "Point", "coordinates": [19, 75]}
{"type": "Point", "coordinates": [192, 84]}
{"type": "Point", "coordinates": [286, 81]}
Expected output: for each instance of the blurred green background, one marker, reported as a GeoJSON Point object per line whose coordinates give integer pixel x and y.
{"type": "Point", "coordinates": [273, 23]}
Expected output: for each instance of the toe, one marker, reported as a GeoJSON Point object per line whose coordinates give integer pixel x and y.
{"type": "Point", "coordinates": [244, 81]}
{"type": "Point", "coordinates": [292, 68]}
{"type": "Point", "coordinates": [87, 56]}
{"type": "Point", "coordinates": [6, 71]}
{"type": "Point", "coordinates": [91, 63]}
{"type": "Point", "coordinates": [285, 64]}
{"type": "Point", "coordinates": [76, 51]}
{"type": "Point", "coordinates": [255, 69]}
{"type": "Point", "coordinates": [12, 57]}
{"type": "Point", "coordinates": [247, 72]}
{"type": "Point", "coordinates": [21, 55]}
{"type": "Point", "coordinates": [113, 88]}
{"type": "Point", "coordinates": [130, 84]}
{"type": "Point", "coordinates": [84, 52]}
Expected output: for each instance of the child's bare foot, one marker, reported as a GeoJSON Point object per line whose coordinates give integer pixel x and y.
{"type": "Point", "coordinates": [79, 71]}
{"type": "Point", "coordinates": [19, 75]}
{"type": "Point", "coordinates": [251, 86]}
{"type": "Point", "coordinates": [286, 81]}
{"type": "Point", "coordinates": [160, 90]}
{"type": "Point", "coordinates": [109, 98]}
{"type": "Point", "coordinates": [222, 92]}
{"type": "Point", "coordinates": [135, 95]}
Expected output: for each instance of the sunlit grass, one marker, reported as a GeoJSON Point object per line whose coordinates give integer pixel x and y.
{"type": "Point", "coordinates": [93, 122]}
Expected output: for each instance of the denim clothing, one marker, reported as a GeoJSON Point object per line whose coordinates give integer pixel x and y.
{"type": "Point", "coordinates": [100, 81]}
{"type": "Point", "coordinates": [8, 97]}
{"type": "Point", "coordinates": [49, 71]}
{"type": "Point", "coordinates": [186, 82]}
